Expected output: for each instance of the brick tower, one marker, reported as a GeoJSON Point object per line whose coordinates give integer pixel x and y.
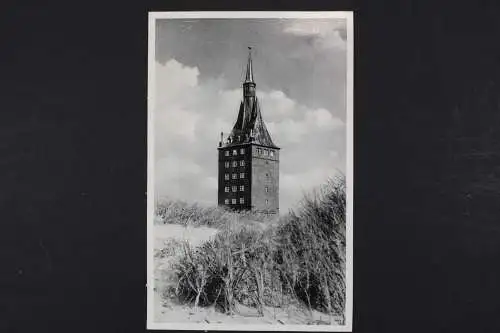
{"type": "Point", "coordinates": [248, 158]}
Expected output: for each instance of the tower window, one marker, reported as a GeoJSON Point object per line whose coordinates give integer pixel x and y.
{"type": "Point", "coordinates": [242, 200]}
{"type": "Point", "coordinates": [242, 163]}
{"type": "Point", "coordinates": [235, 188]}
{"type": "Point", "coordinates": [242, 175]}
{"type": "Point", "coordinates": [242, 188]}
{"type": "Point", "coordinates": [233, 201]}
{"type": "Point", "coordinates": [235, 152]}
{"type": "Point", "coordinates": [235, 176]}
{"type": "Point", "coordinates": [242, 151]}
{"type": "Point", "coordinates": [226, 176]}
{"type": "Point", "coordinates": [226, 201]}
{"type": "Point", "coordinates": [226, 153]}
{"type": "Point", "coordinates": [267, 189]}
{"type": "Point", "coordinates": [226, 164]}
{"type": "Point", "coordinates": [235, 164]}
{"type": "Point", "coordinates": [226, 189]}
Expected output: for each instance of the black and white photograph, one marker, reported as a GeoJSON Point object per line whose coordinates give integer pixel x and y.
{"type": "Point", "coordinates": [250, 171]}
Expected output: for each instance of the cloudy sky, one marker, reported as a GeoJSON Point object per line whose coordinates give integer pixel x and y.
{"type": "Point", "coordinates": [300, 71]}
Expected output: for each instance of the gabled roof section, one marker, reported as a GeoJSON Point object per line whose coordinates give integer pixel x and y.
{"type": "Point", "coordinates": [250, 129]}
{"type": "Point", "coordinates": [259, 130]}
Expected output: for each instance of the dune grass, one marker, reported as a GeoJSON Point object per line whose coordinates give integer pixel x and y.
{"type": "Point", "coordinates": [301, 258]}
{"type": "Point", "coordinates": [179, 212]}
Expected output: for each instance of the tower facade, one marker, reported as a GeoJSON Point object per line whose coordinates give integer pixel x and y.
{"type": "Point", "coordinates": [248, 158]}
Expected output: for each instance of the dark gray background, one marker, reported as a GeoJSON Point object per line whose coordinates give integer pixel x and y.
{"type": "Point", "coordinates": [73, 166]}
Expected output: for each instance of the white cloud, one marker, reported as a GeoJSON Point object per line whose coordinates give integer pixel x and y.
{"type": "Point", "coordinates": [173, 167]}
{"type": "Point", "coordinates": [172, 79]}
{"type": "Point", "coordinates": [177, 122]}
{"type": "Point", "coordinates": [325, 32]}
{"type": "Point", "coordinates": [276, 104]}
{"type": "Point", "coordinates": [322, 119]}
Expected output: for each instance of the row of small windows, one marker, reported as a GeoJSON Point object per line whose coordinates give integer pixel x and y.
{"type": "Point", "coordinates": [234, 176]}
{"type": "Point", "coordinates": [235, 163]}
{"type": "Point", "coordinates": [242, 201]}
{"type": "Point", "coordinates": [265, 152]}
{"type": "Point", "coordinates": [242, 188]}
{"type": "Point", "coordinates": [233, 201]}
{"type": "Point", "coordinates": [235, 188]}
{"type": "Point", "coordinates": [235, 152]}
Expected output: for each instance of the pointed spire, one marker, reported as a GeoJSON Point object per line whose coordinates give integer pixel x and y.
{"type": "Point", "coordinates": [249, 73]}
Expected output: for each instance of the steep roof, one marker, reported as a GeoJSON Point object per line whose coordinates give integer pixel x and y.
{"type": "Point", "coordinates": [249, 126]}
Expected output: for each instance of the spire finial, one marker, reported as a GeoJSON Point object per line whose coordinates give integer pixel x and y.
{"type": "Point", "coordinates": [249, 73]}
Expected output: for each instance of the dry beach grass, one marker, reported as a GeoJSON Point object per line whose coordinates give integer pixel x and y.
{"type": "Point", "coordinates": [214, 265]}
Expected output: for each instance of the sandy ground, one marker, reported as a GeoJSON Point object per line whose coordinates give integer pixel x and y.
{"type": "Point", "coordinates": [195, 236]}
{"type": "Point", "coordinates": [167, 310]}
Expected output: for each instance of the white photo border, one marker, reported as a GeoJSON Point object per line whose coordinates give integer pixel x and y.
{"type": "Point", "coordinates": [153, 16]}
